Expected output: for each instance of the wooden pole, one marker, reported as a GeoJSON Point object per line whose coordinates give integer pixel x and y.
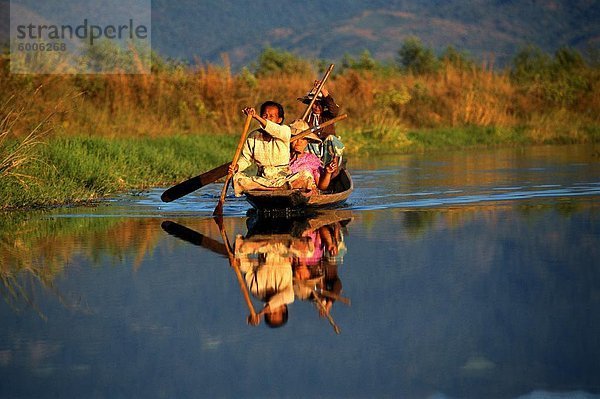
{"type": "Point", "coordinates": [236, 268]}
{"type": "Point", "coordinates": [219, 208]}
{"type": "Point", "coordinates": [313, 129]}
{"type": "Point", "coordinates": [319, 87]}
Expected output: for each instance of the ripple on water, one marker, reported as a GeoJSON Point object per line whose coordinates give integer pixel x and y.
{"type": "Point", "coordinates": [422, 181]}
{"type": "Point", "coordinates": [383, 197]}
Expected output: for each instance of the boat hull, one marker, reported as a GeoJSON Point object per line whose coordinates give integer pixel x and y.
{"type": "Point", "coordinates": [342, 186]}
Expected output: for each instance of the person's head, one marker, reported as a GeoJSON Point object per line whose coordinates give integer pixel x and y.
{"type": "Point", "coordinates": [317, 106]}
{"type": "Point", "coordinates": [272, 111]}
{"type": "Point", "coordinates": [277, 317]}
{"type": "Point", "coordinates": [298, 126]}
{"type": "Point", "coordinates": [302, 244]}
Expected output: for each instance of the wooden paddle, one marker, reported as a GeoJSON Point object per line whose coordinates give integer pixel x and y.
{"type": "Point", "coordinates": [193, 184]}
{"type": "Point", "coordinates": [193, 237]}
{"type": "Point", "coordinates": [238, 151]}
{"type": "Point", "coordinates": [314, 129]}
{"type": "Point", "coordinates": [233, 263]}
{"type": "Point", "coordinates": [319, 87]}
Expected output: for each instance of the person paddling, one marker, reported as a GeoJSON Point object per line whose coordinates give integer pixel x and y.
{"type": "Point", "coordinates": [268, 148]}
{"type": "Point", "coordinates": [323, 109]}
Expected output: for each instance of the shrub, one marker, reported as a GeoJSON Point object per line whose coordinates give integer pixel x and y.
{"type": "Point", "coordinates": [273, 61]}
{"type": "Point", "coordinates": [414, 57]}
{"type": "Point", "coordinates": [559, 81]}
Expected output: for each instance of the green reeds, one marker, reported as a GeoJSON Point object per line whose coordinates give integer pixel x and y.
{"type": "Point", "coordinates": [72, 170]}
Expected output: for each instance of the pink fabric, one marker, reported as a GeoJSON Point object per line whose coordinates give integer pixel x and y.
{"type": "Point", "coordinates": [307, 161]}
{"type": "Point", "coordinates": [318, 253]}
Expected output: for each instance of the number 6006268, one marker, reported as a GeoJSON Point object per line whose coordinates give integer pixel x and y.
{"type": "Point", "coordinates": [42, 47]}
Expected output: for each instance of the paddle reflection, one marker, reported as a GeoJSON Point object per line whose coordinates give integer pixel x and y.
{"type": "Point", "coordinates": [279, 261]}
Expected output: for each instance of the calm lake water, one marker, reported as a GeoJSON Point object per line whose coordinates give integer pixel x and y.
{"type": "Point", "coordinates": [470, 275]}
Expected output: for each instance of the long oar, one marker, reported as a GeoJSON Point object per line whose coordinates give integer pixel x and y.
{"type": "Point", "coordinates": [193, 184]}
{"type": "Point", "coordinates": [219, 208]}
{"type": "Point", "coordinates": [314, 129]}
{"type": "Point", "coordinates": [193, 237]}
{"type": "Point", "coordinates": [319, 87]}
{"type": "Point", "coordinates": [233, 263]}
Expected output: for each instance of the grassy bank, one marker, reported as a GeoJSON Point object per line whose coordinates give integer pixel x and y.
{"type": "Point", "coordinates": [69, 170]}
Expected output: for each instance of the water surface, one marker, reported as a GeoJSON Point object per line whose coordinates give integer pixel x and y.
{"type": "Point", "coordinates": [470, 275]}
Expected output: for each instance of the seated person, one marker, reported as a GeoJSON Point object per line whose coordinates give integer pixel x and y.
{"type": "Point", "coordinates": [322, 110]}
{"type": "Point", "coordinates": [306, 166]}
{"type": "Point", "coordinates": [268, 148]}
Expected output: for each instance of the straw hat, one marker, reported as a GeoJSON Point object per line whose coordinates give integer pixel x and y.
{"type": "Point", "coordinates": [298, 126]}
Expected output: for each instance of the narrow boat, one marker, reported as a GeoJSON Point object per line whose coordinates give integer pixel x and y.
{"type": "Point", "coordinates": [340, 188]}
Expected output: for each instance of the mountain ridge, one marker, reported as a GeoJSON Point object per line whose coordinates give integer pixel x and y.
{"type": "Point", "coordinates": [486, 29]}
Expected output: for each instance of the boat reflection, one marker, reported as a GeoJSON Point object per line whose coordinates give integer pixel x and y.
{"type": "Point", "coordinates": [279, 261]}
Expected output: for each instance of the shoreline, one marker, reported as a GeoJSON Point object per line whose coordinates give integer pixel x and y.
{"type": "Point", "coordinates": [82, 171]}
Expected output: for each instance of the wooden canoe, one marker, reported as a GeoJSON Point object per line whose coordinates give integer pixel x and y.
{"type": "Point", "coordinates": [340, 188]}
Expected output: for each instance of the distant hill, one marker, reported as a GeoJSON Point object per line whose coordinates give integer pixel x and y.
{"type": "Point", "coordinates": [492, 29]}
{"type": "Point", "coordinates": [328, 30]}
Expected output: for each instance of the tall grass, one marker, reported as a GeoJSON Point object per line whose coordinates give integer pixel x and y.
{"type": "Point", "coordinates": [207, 98]}
{"type": "Point", "coordinates": [16, 154]}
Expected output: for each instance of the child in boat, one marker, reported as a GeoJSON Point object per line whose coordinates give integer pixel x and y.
{"type": "Point", "coordinates": [306, 166]}
{"type": "Point", "coordinates": [268, 148]}
{"type": "Point", "coordinates": [323, 109]}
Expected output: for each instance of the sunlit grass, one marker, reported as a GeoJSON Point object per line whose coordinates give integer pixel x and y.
{"type": "Point", "coordinates": [83, 169]}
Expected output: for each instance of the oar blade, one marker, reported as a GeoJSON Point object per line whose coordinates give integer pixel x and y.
{"type": "Point", "coordinates": [193, 184]}
{"type": "Point", "coordinates": [193, 237]}
{"type": "Point", "coordinates": [218, 209]}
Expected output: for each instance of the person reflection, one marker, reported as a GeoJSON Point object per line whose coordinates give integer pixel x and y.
{"type": "Point", "coordinates": [316, 274]}
{"type": "Point", "coordinates": [276, 261]}
{"type": "Point", "coordinates": [333, 255]}
{"type": "Point", "coordinates": [267, 269]}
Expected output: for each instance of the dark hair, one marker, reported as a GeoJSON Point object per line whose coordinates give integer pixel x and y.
{"type": "Point", "coordinates": [273, 104]}
{"type": "Point", "coordinates": [284, 319]}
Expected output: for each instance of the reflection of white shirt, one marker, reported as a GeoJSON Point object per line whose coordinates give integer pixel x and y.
{"type": "Point", "coordinates": [268, 272]}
